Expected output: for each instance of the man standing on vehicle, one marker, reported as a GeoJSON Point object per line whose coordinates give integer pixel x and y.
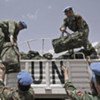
{"type": "Point", "coordinates": [79, 26]}
{"type": "Point", "coordinates": [9, 50]}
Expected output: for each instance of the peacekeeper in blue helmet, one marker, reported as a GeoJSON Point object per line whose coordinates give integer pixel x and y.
{"type": "Point", "coordinates": [79, 27]}
{"type": "Point", "coordinates": [22, 92]}
{"type": "Point", "coordinates": [74, 94]}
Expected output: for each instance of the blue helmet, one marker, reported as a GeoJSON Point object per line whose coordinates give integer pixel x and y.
{"type": "Point", "coordinates": [23, 24]}
{"type": "Point", "coordinates": [68, 9]}
{"type": "Point", "coordinates": [24, 78]}
{"type": "Point", "coordinates": [95, 67]}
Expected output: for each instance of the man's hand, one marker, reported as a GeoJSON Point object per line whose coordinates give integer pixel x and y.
{"type": "Point", "coordinates": [62, 29]}
{"type": "Point", "coordinates": [66, 72]}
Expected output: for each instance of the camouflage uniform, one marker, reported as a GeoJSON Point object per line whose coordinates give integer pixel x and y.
{"type": "Point", "coordinates": [8, 49]}
{"type": "Point", "coordinates": [24, 91]}
{"type": "Point", "coordinates": [9, 28]}
{"type": "Point", "coordinates": [75, 94]}
{"type": "Point", "coordinates": [7, 93]}
{"type": "Point", "coordinates": [80, 28]}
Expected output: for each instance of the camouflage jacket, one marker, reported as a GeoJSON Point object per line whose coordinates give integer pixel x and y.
{"type": "Point", "coordinates": [9, 28]}
{"type": "Point", "coordinates": [75, 23]}
{"type": "Point", "coordinates": [75, 94]}
{"type": "Point", "coordinates": [7, 93]}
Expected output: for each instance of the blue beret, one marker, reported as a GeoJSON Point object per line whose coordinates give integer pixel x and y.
{"type": "Point", "coordinates": [24, 78]}
{"type": "Point", "coordinates": [23, 24]}
{"type": "Point", "coordinates": [67, 9]}
{"type": "Point", "coordinates": [95, 67]}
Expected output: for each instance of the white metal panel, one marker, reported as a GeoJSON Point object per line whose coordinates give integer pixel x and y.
{"type": "Point", "coordinates": [78, 71]}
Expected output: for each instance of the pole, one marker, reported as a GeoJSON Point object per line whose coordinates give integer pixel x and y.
{"type": "Point", "coordinates": [42, 46]}
{"type": "Point", "coordinates": [28, 45]}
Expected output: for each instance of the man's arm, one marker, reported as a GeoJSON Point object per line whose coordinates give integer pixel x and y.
{"type": "Point", "coordinates": [11, 27]}
{"type": "Point", "coordinates": [11, 30]}
{"type": "Point", "coordinates": [71, 91]}
{"type": "Point", "coordinates": [81, 23]}
{"type": "Point", "coordinates": [68, 84]}
{"type": "Point", "coordinates": [64, 27]}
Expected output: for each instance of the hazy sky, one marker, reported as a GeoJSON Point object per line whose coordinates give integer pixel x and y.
{"type": "Point", "coordinates": [44, 18]}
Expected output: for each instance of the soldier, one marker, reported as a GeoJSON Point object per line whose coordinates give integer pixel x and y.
{"type": "Point", "coordinates": [9, 50]}
{"type": "Point", "coordinates": [79, 26]}
{"type": "Point", "coordinates": [24, 90]}
{"type": "Point", "coordinates": [75, 94]}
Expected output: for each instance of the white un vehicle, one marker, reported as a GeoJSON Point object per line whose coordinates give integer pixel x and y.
{"type": "Point", "coordinates": [49, 79]}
